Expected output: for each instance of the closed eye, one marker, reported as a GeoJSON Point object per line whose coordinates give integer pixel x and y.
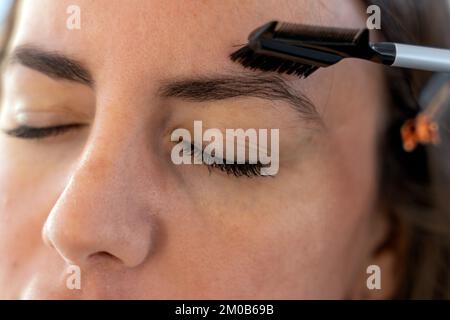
{"type": "Point", "coordinates": [27, 132]}
{"type": "Point", "coordinates": [237, 169]}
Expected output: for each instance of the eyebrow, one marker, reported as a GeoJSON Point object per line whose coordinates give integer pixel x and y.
{"type": "Point", "coordinates": [262, 85]}
{"type": "Point", "coordinates": [247, 84]}
{"type": "Point", "coordinates": [52, 64]}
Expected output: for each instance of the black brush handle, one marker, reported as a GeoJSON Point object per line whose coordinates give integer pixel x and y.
{"type": "Point", "coordinates": [300, 54]}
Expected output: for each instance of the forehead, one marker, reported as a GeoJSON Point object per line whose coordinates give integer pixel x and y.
{"type": "Point", "coordinates": [161, 36]}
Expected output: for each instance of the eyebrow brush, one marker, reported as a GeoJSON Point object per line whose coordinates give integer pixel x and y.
{"type": "Point", "coordinates": [301, 50]}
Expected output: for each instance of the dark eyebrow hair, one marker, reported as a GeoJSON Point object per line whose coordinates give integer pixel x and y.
{"type": "Point", "coordinates": [52, 64]}
{"type": "Point", "coordinates": [248, 84]}
{"type": "Point", "coordinates": [205, 88]}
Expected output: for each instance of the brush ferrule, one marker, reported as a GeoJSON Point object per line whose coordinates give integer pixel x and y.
{"type": "Point", "coordinates": [384, 53]}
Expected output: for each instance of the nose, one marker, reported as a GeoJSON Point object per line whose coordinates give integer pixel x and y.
{"type": "Point", "coordinates": [103, 212]}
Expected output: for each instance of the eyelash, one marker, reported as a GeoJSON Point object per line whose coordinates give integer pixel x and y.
{"type": "Point", "coordinates": [238, 170]}
{"type": "Point", "coordinates": [26, 132]}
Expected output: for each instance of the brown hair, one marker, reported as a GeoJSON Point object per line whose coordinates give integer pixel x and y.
{"type": "Point", "coordinates": [414, 187]}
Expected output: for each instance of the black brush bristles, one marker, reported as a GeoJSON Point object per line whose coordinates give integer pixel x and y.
{"type": "Point", "coordinates": [252, 60]}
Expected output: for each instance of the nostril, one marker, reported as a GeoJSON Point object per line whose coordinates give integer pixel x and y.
{"type": "Point", "coordinates": [103, 255]}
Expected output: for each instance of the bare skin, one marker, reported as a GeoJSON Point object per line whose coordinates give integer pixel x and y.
{"type": "Point", "coordinates": [107, 197]}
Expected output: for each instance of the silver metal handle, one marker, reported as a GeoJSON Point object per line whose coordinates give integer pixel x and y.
{"type": "Point", "coordinates": [422, 58]}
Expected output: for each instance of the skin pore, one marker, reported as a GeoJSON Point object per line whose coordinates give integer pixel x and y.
{"type": "Point", "coordinates": [106, 196]}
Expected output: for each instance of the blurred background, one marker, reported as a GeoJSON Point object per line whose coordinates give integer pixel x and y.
{"type": "Point", "coordinates": [5, 6]}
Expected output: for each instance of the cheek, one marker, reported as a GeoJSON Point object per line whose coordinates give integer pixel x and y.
{"type": "Point", "coordinates": [25, 200]}
{"type": "Point", "coordinates": [16, 240]}
{"type": "Point", "coordinates": [313, 234]}
{"type": "Point", "coordinates": [297, 246]}
{"type": "Point", "coordinates": [16, 192]}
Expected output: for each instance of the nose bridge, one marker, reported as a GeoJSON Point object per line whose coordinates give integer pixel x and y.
{"type": "Point", "coordinates": [108, 165]}
{"type": "Point", "coordinates": [108, 159]}
{"type": "Point", "coordinates": [100, 210]}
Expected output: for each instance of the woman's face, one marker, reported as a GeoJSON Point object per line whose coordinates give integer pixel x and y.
{"type": "Point", "coordinates": [105, 195]}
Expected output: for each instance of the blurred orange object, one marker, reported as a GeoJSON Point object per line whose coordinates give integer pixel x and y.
{"type": "Point", "coordinates": [421, 130]}
{"type": "Point", "coordinates": [424, 129]}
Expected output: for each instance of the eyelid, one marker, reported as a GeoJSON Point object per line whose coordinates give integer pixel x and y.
{"type": "Point", "coordinates": [200, 150]}
{"type": "Point", "coordinates": [192, 149]}
{"type": "Point", "coordinates": [27, 132]}
{"type": "Point", "coordinates": [238, 170]}
{"type": "Point", "coordinates": [43, 118]}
